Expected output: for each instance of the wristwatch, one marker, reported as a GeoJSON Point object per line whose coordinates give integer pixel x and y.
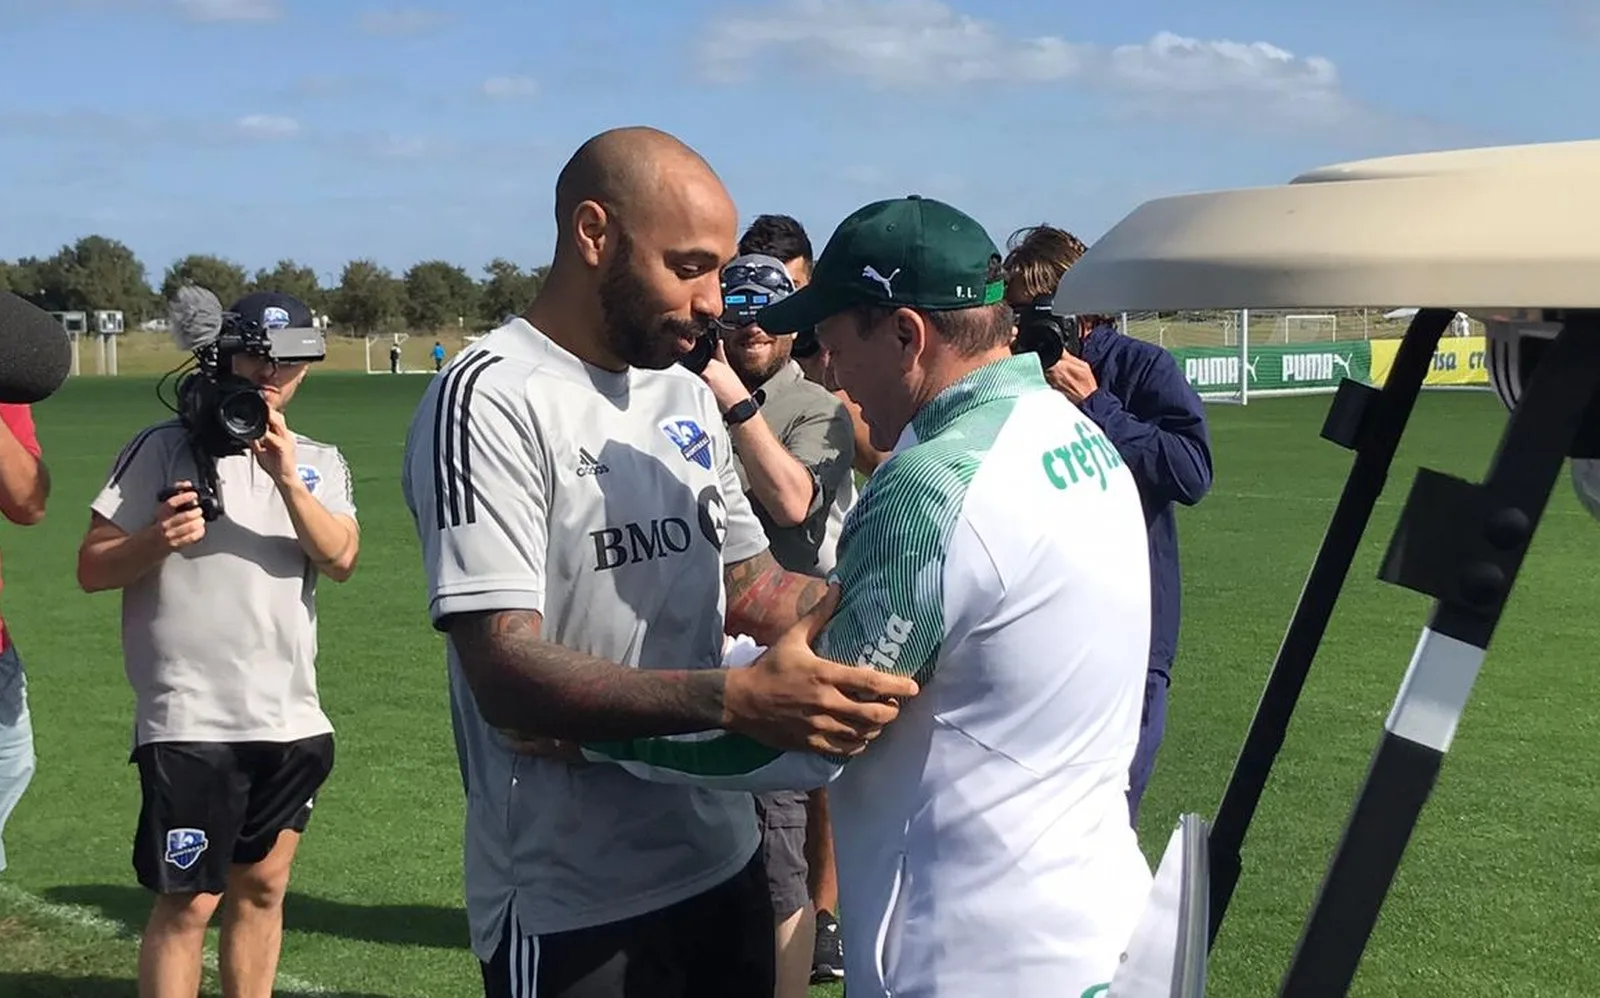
{"type": "Point", "coordinates": [742, 410]}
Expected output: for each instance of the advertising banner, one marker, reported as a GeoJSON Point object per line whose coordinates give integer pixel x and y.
{"type": "Point", "coordinates": [1279, 367]}
{"type": "Point", "coordinates": [1460, 360]}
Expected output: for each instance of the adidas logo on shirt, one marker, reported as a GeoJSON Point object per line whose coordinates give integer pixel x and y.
{"type": "Point", "coordinates": [588, 464]}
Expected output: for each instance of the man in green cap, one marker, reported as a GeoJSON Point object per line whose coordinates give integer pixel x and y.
{"type": "Point", "coordinates": [998, 557]}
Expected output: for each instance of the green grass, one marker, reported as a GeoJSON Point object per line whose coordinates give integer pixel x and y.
{"type": "Point", "coordinates": [1491, 900]}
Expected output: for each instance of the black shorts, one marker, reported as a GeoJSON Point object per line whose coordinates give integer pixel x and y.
{"type": "Point", "coordinates": [782, 816]}
{"type": "Point", "coordinates": [209, 805]}
{"type": "Point", "coordinates": [717, 943]}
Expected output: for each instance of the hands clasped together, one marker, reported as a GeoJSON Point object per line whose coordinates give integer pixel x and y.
{"type": "Point", "coordinates": [790, 698]}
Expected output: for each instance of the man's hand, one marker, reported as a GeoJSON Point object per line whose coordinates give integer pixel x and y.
{"type": "Point", "coordinates": [274, 451]}
{"type": "Point", "coordinates": [792, 700]}
{"type": "Point", "coordinates": [725, 385]}
{"type": "Point", "coordinates": [178, 522]}
{"type": "Point", "coordinates": [1072, 377]}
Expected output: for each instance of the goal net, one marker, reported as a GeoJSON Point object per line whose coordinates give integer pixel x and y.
{"type": "Point", "coordinates": [1309, 328]}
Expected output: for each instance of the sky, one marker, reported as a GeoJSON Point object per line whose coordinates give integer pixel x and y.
{"type": "Point", "coordinates": [328, 130]}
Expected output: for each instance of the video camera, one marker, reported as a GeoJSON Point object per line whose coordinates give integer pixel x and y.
{"type": "Point", "coordinates": [222, 413]}
{"type": "Point", "coordinates": [1040, 330]}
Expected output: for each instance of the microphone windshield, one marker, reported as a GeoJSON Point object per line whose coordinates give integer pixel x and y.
{"type": "Point", "coordinates": [35, 353]}
{"type": "Point", "coordinates": [196, 317]}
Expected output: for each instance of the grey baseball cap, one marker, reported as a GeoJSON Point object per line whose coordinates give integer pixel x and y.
{"type": "Point", "coordinates": [749, 284]}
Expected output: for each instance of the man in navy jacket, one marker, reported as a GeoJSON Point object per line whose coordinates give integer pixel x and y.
{"type": "Point", "coordinates": [1135, 392]}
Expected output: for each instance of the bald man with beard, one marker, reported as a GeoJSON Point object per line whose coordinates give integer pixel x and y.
{"type": "Point", "coordinates": [587, 546]}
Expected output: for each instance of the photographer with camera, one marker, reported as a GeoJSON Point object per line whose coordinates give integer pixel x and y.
{"type": "Point", "coordinates": [215, 526]}
{"type": "Point", "coordinates": [793, 447]}
{"type": "Point", "coordinates": [1135, 392]}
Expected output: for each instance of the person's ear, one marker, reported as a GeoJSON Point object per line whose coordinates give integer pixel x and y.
{"type": "Point", "coordinates": [591, 231]}
{"type": "Point", "coordinates": [910, 330]}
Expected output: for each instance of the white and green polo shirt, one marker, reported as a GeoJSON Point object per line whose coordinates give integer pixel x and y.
{"type": "Point", "coordinates": [983, 842]}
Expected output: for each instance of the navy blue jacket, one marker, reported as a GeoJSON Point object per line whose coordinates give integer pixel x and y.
{"type": "Point", "coordinates": [1158, 424]}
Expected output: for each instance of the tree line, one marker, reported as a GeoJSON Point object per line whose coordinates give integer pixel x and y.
{"type": "Point", "coordinates": [98, 272]}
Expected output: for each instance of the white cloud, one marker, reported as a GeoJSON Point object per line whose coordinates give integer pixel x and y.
{"type": "Point", "coordinates": [507, 87]}
{"type": "Point", "coordinates": [894, 43]}
{"type": "Point", "coordinates": [407, 21]}
{"type": "Point", "coordinates": [231, 10]}
{"type": "Point", "coordinates": [917, 45]}
{"type": "Point", "coordinates": [267, 126]}
{"type": "Point", "coordinates": [1170, 62]}
{"type": "Point", "coordinates": [96, 129]}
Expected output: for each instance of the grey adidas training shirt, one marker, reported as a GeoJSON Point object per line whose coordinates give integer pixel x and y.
{"type": "Point", "coordinates": [609, 504]}
{"type": "Point", "coordinates": [219, 640]}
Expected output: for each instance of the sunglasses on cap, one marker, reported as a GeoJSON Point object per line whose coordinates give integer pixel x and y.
{"type": "Point", "coordinates": [747, 288]}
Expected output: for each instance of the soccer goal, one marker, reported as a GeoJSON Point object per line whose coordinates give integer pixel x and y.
{"type": "Point", "coordinates": [1311, 328]}
{"type": "Point", "coordinates": [1220, 373]}
{"type": "Point", "coordinates": [1244, 355]}
{"type": "Point", "coordinates": [391, 341]}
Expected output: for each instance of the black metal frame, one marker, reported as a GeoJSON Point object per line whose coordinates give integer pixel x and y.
{"type": "Point", "coordinates": [1370, 422]}
{"type": "Point", "coordinates": [1459, 542]}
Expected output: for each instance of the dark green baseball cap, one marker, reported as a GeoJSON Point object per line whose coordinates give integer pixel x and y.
{"type": "Point", "coordinates": [912, 251]}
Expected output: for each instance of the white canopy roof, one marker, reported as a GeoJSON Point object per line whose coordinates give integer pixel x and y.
{"type": "Point", "coordinates": [1487, 231]}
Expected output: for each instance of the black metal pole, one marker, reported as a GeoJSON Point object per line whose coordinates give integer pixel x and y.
{"type": "Point", "coordinates": [1371, 422]}
{"type": "Point", "coordinates": [1463, 544]}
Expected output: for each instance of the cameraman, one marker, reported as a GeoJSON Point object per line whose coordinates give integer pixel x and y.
{"type": "Point", "coordinates": [1136, 394]}
{"type": "Point", "coordinates": [793, 447]}
{"type": "Point", "coordinates": [219, 642]}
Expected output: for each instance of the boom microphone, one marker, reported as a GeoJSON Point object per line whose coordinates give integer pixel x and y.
{"type": "Point", "coordinates": [35, 354]}
{"type": "Point", "coordinates": [196, 317]}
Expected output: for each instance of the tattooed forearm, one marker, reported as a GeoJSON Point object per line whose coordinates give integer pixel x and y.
{"type": "Point", "coordinates": [764, 600]}
{"type": "Point", "coordinates": [524, 683]}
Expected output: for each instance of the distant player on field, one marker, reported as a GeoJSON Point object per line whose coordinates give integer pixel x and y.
{"type": "Point", "coordinates": [586, 539]}
{"type": "Point", "coordinates": [983, 843]}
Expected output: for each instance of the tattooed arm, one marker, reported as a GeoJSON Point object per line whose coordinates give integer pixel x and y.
{"type": "Point", "coordinates": [525, 683]}
{"type": "Point", "coordinates": [481, 510]}
{"type": "Point", "coordinates": [533, 689]}
{"type": "Point", "coordinates": [764, 600]}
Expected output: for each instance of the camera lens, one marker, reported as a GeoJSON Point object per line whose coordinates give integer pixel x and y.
{"type": "Point", "coordinates": [1041, 332]}
{"type": "Point", "coordinates": [243, 414]}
